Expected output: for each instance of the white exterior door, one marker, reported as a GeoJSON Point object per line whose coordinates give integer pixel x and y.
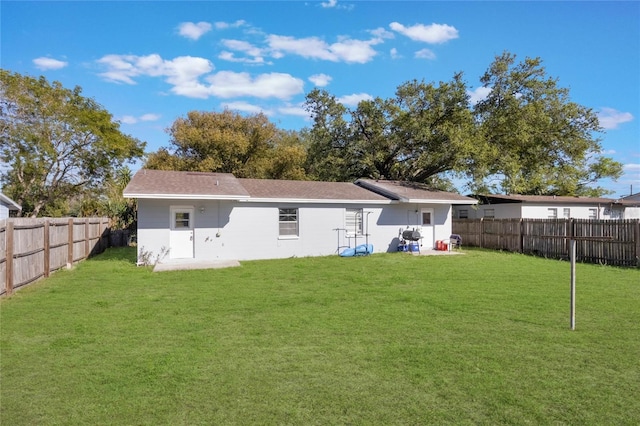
{"type": "Point", "coordinates": [181, 238]}
{"type": "Point", "coordinates": [427, 222]}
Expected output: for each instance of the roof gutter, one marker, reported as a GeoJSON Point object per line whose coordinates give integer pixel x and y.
{"type": "Point", "coordinates": [186, 196]}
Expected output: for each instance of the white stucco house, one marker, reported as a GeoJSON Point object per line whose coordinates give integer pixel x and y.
{"type": "Point", "coordinates": [547, 207]}
{"type": "Point", "coordinates": [8, 207]}
{"type": "Point", "coordinates": [631, 206]}
{"type": "Point", "coordinates": [211, 216]}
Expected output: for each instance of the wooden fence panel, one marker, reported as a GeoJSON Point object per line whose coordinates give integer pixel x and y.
{"type": "Point", "coordinates": [3, 256]}
{"type": "Point", "coordinates": [550, 238]}
{"type": "Point", "coordinates": [546, 237]}
{"type": "Point", "coordinates": [32, 248]}
{"type": "Point", "coordinates": [79, 235]}
{"type": "Point", "coordinates": [470, 230]}
{"type": "Point", "coordinates": [58, 242]}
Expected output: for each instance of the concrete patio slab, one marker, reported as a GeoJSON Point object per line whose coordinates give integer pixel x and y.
{"type": "Point", "coordinates": [190, 264]}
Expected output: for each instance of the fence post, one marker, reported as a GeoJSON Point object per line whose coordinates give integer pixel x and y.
{"type": "Point", "coordinates": [9, 254]}
{"type": "Point", "coordinates": [87, 240]}
{"type": "Point", "coordinates": [47, 251]}
{"type": "Point", "coordinates": [636, 237]}
{"type": "Point", "coordinates": [70, 244]}
{"type": "Point", "coordinates": [521, 228]}
{"type": "Point", "coordinates": [481, 232]}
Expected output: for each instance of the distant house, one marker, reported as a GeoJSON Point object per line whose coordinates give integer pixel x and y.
{"type": "Point", "coordinates": [631, 206]}
{"type": "Point", "coordinates": [8, 207]}
{"type": "Point", "coordinates": [209, 216]}
{"type": "Point", "coordinates": [547, 207]}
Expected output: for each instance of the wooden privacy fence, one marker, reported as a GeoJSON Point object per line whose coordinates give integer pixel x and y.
{"type": "Point", "coordinates": [33, 248]}
{"type": "Point", "coordinates": [550, 238]}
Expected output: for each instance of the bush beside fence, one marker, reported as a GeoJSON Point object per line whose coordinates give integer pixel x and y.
{"type": "Point", "coordinates": [550, 238]}
{"type": "Point", "coordinates": [31, 249]}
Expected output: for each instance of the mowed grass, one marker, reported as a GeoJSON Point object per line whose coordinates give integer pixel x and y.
{"type": "Point", "coordinates": [480, 338]}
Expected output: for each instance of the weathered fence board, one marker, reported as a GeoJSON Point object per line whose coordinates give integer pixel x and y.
{"type": "Point", "coordinates": [32, 248]}
{"type": "Point", "coordinates": [550, 238]}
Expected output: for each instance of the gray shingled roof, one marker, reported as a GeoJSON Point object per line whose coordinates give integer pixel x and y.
{"type": "Point", "coordinates": [413, 192]}
{"type": "Point", "coordinates": [171, 184]}
{"type": "Point", "coordinates": [308, 190]}
{"type": "Point", "coordinates": [542, 199]}
{"type": "Point", "coordinates": [192, 185]}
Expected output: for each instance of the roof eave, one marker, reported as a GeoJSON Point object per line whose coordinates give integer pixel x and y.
{"type": "Point", "coordinates": [186, 196]}
{"type": "Point", "coordinates": [427, 201]}
{"type": "Point", "coordinates": [313, 201]}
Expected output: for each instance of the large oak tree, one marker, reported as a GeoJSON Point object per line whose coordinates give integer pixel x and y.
{"type": "Point", "coordinates": [228, 142]}
{"type": "Point", "coordinates": [536, 140]}
{"type": "Point", "coordinates": [425, 131]}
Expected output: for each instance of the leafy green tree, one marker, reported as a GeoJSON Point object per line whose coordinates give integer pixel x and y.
{"type": "Point", "coordinates": [56, 143]}
{"type": "Point", "coordinates": [328, 139]}
{"type": "Point", "coordinates": [424, 132]}
{"type": "Point", "coordinates": [228, 142]}
{"type": "Point", "coordinates": [537, 141]}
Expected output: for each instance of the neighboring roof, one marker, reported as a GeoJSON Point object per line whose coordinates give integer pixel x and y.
{"type": "Point", "coordinates": [184, 185]}
{"type": "Point", "coordinates": [633, 198]}
{"type": "Point", "coordinates": [309, 191]}
{"type": "Point", "coordinates": [541, 199]}
{"type": "Point", "coordinates": [413, 192]}
{"type": "Point", "coordinates": [9, 202]}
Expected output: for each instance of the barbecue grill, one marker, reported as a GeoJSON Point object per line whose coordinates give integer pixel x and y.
{"type": "Point", "coordinates": [409, 241]}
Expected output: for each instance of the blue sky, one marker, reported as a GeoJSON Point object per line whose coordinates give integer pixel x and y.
{"type": "Point", "coordinates": [151, 62]}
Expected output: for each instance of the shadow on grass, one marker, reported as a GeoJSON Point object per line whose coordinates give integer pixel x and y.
{"type": "Point", "coordinates": [125, 254]}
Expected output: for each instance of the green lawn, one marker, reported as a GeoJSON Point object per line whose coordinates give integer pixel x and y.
{"type": "Point", "coordinates": [481, 338]}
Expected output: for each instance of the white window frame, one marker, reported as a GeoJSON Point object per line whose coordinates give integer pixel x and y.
{"type": "Point", "coordinates": [353, 221]}
{"type": "Point", "coordinates": [284, 228]}
{"type": "Point", "coordinates": [489, 213]}
{"type": "Point", "coordinates": [593, 213]}
{"type": "Point", "coordinates": [566, 212]}
{"type": "Point", "coordinates": [552, 213]}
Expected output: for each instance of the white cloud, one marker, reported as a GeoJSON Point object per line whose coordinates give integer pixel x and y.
{"type": "Point", "coordinates": [246, 107]}
{"type": "Point", "coordinates": [296, 110]}
{"type": "Point", "coordinates": [611, 118]}
{"type": "Point", "coordinates": [354, 100]}
{"type": "Point", "coordinates": [333, 4]}
{"type": "Point", "coordinates": [231, 57]}
{"type": "Point", "coordinates": [425, 54]}
{"type": "Point", "coordinates": [256, 54]}
{"type": "Point", "coordinates": [150, 117]}
{"type": "Point", "coordinates": [185, 74]}
{"type": "Point", "coordinates": [329, 4]}
{"type": "Point", "coordinates": [128, 119]}
{"type": "Point", "coordinates": [225, 25]}
{"type": "Point", "coordinates": [394, 53]}
{"type": "Point", "coordinates": [228, 84]}
{"type": "Point", "coordinates": [433, 34]}
{"type": "Point", "coordinates": [192, 30]}
{"type": "Point", "coordinates": [382, 33]}
{"type": "Point", "coordinates": [44, 63]}
{"type": "Point", "coordinates": [320, 80]}
{"type": "Point", "coordinates": [479, 94]}
{"type": "Point", "coordinates": [347, 50]}
{"type": "Point", "coordinates": [631, 167]}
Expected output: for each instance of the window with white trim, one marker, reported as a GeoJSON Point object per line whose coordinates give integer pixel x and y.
{"type": "Point", "coordinates": [566, 213]}
{"type": "Point", "coordinates": [552, 213]}
{"type": "Point", "coordinates": [489, 213]}
{"type": "Point", "coordinates": [593, 213]}
{"type": "Point", "coordinates": [288, 222]}
{"type": "Point", "coordinates": [353, 221]}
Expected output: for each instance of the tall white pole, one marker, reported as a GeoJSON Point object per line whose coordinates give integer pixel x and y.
{"type": "Point", "coordinates": [572, 249]}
